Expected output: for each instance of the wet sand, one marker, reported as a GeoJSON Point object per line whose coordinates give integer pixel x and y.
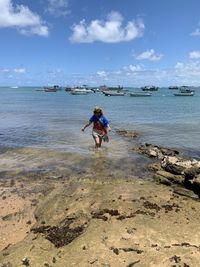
{"type": "Point", "coordinates": [94, 212]}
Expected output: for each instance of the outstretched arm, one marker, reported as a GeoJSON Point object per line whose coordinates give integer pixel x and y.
{"type": "Point", "coordinates": [88, 124]}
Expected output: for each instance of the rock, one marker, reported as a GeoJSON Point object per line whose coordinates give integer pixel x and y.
{"type": "Point", "coordinates": [168, 178]}
{"type": "Point", "coordinates": [162, 180]}
{"type": "Point", "coordinates": [127, 133]}
{"type": "Point", "coordinates": [154, 167]}
{"type": "Point", "coordinates": [156, 151]}
{"type": "Point", "coordinates": [190, 173]}
{"type": "Point", "coordinates": [196, 185]}
{"type": "Point", "coordinates": [175, 169]}
{"type": "Point", "coordinates": [25, 262]}
{"type": "Point", "coordinates": [153, 153]}
{"type": "Point", "coordinates": [184, 192]}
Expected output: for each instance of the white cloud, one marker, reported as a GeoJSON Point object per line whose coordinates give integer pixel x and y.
{"type": "Point", "coordinates": [179, 65]}
{"type": "Point", "coordinates": [101, 73]}
{"type": "Point", "coordinates": [22, 18]}
{"type": "Point", "coordinates": [196, 32]}
{"type": "Point", "coordinates": [5, 70]}
{"type": "Point", "coordinates": [19, 70]}
{"type": "Point", "coordinates": [109, 31]}
{"type": "Point", "coordinates": [149, 55]}
{"type": "Point", "coordinates": [15, 70]}
{"type": "Point", "coordinates": [187, 73]}
{"type": "Point", "coordinates": [132, 68]}
{"type": "Point", "coordinates": [58, 7]}
{"type": "Point", "coordinates": [194, 54]}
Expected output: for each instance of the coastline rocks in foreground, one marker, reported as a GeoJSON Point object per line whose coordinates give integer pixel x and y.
{"type": "Point", "coordinates": [172, 168]}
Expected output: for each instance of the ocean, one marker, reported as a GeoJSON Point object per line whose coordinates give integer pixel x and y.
{"type": "Point", "coordinates": [36, 125]}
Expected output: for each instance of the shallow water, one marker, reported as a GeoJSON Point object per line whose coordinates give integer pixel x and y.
{"type": "Point", "coordinates": [42, 129]}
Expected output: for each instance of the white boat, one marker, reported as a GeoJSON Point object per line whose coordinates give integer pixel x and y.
{"type": "Point", "coordinates": [113, 93]}
{"type": "Point", "coordinates": [137, 94]}
{"type": "Point", "coordinates": [80, 91]}
{"type": "Point", "coordinates": [14, 87]}
{"type": "Point", "coordinates": [184, 93]}
{"type": "Point", "coordinates": [186, 89]}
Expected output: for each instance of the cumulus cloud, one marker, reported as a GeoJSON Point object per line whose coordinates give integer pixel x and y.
{"type": "Point", "coordinates": [132, 68]}
{"type": "Point", "coordinates": [19, 70]}
{"type": "Point", "coordinates": [57, 7]}
{"type": "Point", "coordinates": [194, 55]}
{"type": "Point", "coordinates": [101, 73]}
{"type": "Point", "coordinates": [109, 31]}
{"type": "Point", "coordinates": [22, 18]}
{"type": "Point", "coordinates": [188, 72]}
{"type": "Point", "coordinates": [13, 70]}
{"type": "Point", "coordinates": [149, 55]}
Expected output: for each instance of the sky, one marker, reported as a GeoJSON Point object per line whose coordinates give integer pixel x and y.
{"type": "Point", "coordinates": [95, 42]}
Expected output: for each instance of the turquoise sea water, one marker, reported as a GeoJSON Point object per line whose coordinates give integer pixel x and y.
{"type": "Point", "coordinates": [52, 121]}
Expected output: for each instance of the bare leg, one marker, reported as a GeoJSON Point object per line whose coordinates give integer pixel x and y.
{"type": "Point", "coordinates": [98, 142]}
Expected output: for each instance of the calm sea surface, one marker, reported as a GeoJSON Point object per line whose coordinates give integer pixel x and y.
{"type": "Point", "coordinates": [38, 120]}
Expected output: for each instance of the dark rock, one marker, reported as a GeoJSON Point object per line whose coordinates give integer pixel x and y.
{"type": "Point", "coordinates": [191, 172]}
{"type": "Point", "coordinates": [25, 262]}
{"type": "Point", "coordinates": [176, 259]}
{"type": "Point", "coordinates": [175, 169]}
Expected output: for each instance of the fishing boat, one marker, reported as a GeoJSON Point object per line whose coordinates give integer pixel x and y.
{"type": "Point", "coordinates": [185, 91]}
{"type": "Point", "coordinates": [138, 94]}
{"type": "Point", "coordinates": [80, 91]}
{"type": "Point", "coordinates": [117, 88]}
{"type": "Point", "coordinates": [113, 93]}
{"type": "Point", "coordinates": [184, 94]}
{"type": "Point", "coordinates": [149, 88]}
{"type": "Point", "coordinates": [55, 88]}
{"type": "Point", "coordinates": [173, 87]}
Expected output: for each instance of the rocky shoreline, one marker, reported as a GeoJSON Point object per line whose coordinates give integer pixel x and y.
{"type": "Point", "coordinates": [170, 167]}
{"type": "Point", "coordinates": [104, 221]}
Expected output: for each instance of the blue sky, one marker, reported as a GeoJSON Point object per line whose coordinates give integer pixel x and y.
{"type": "Point", "coordinates": [94, 42]}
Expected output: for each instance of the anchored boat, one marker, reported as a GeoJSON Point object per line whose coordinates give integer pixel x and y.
{"type": "Point", "coordinates": [138, 94]}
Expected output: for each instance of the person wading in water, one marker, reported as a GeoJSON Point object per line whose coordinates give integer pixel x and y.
{"type": "Point", "coordinates": [100, 127]}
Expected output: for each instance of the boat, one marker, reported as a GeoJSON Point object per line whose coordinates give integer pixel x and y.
{"type": "Point", "coordinates": [173, 87]}
{"type": "Point", "coordinates": [184, 94]}
{"type": "Point", "coordinates": [104, 88]}
{"type": "Point", "coordinates": [68, 89]}
{"type": "Point", "coordinates": [118, 88]}
{"type": "Point", "coordinates": [113, 93]}
{"type": "Point", "coordinates": [185, 91]}
{"type": "Point", "coordinates": [55, 88]}
{"type": "Point", "coordinates": [96, 90]}
{"type": "Point", "coordinates": [14, 87]}
{"type": "Point", "coordinates": [149, 88]}
{"type": "Point", "coordinates": [80, 91]}
{"type": "Point", "coordinates": [137, 94]}
{"type": "Point", "coordinates": [77, 92]}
